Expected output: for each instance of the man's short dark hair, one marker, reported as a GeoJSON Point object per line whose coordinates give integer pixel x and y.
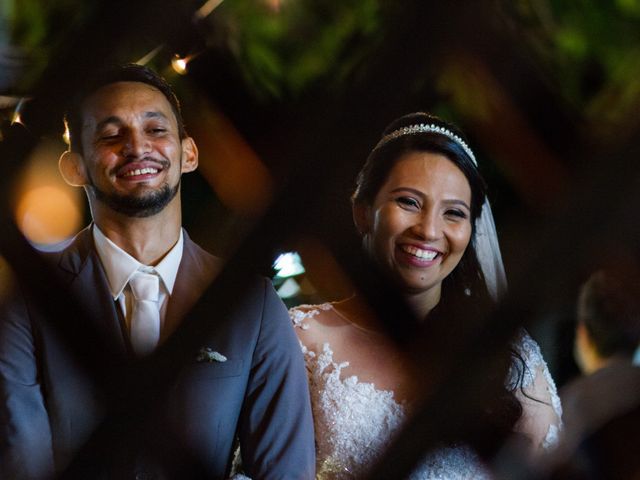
{"type": "Point", "coordinates": [609, 308]}
{"type": "Point", "coordinates": [123, 73]}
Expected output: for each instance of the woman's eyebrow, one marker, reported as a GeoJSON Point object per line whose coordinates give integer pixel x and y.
{"type": "Point", "coordinates": [458, 202]}
{"type": "Point", "coordinates": [408, 189]}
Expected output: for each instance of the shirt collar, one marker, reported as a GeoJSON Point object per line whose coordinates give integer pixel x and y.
{"type": "Point", "coordinates": [119, 265]}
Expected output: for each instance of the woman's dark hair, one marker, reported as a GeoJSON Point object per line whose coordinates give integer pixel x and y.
{"type": "Point", "coordinates": [123, 73]}
{"type": "Point", "coordinates": [464, 291]}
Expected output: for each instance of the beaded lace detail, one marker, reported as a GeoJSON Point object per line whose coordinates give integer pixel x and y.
{"type": "Point", "coordinates": [534, 361]}
{"type": "Point", "coordinates": [355, 422]}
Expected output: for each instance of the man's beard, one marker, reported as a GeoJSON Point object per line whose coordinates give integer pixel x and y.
{"type": "Point", "coordinates": [139, 206]}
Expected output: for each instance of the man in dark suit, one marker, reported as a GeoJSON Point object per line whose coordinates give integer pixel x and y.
{"type": "Point", "coordinates": [136, 272]}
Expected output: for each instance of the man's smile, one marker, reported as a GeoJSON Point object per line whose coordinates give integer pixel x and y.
{"type": "Point", "coordinates": [141, 170]}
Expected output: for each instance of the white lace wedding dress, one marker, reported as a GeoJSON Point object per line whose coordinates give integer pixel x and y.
{"type": "Point", "coordinates": [354, 421]}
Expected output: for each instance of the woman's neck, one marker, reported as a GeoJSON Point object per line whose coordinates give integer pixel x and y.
{"type": "Point", "coordinates": [359, 312]}
{"type": "Point", "coordinates": [422, 303]}
{"type": "Point", "coordinates": [356, 310]}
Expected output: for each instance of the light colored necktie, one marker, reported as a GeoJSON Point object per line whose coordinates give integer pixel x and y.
{"type": "Point", "coordinates": [145, 315]}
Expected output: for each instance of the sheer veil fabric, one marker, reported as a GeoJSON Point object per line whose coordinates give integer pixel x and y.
{"type": "Point", "coordinates": [488, 253]}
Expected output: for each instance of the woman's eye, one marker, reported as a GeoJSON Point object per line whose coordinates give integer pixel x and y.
{"type": "Point", "coordinates": [408, 202]}
{"type": "Point", "coordinates": [456, 213]}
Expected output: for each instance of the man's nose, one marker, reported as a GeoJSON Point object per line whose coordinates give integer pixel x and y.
{"type": "Point", "coordinates": [136, 144]}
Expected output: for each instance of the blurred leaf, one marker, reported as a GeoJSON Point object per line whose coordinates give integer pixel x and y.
{"type": "Point", "coordinates": [572, 42]}
{"type": "Point", "coordinates": [588, 49]}
{"type": "Point", "coordinates": [286, 50]}
{"type": "Point", "coordinates": [630, 7]}
{"type": "Point", "coordinates": [39, 26]}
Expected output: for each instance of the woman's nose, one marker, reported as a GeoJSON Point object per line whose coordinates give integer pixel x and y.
{"type": "Point", "coordinates": [429, 226]}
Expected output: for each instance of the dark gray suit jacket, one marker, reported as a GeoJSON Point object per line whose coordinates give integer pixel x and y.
{"type": "Point", "coordinates": [49, 407]}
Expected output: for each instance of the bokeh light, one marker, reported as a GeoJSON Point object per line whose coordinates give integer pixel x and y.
{"type": "Point", "coordinates": [46, 210]}
{"type": "Point", "coordinates": [288, 264]}
{"type": "Point", "coordinates": [47, 215]}
{"type": "Point", "coordinates": [234, 171]}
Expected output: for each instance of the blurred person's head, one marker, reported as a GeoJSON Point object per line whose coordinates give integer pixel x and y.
{"type": "Point", "coordinates": [608, 319]}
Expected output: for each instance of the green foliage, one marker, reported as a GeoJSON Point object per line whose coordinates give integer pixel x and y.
{"type": "Point", "coordinates": [629, 7]}
{"type": "Point", "coordinates": [286, 47]}
{"type": "Point", "coordinates": [38, 27]}
{"type": "Point", "coordinates": [590, 49]}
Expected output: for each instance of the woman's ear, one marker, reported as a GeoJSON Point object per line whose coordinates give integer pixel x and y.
{"type": "Point", "coordinates": [362, 217]}
{"type": "Point", "coordinates": [189, 155]}
{"type": "Point", "coordinates": [72, 168]}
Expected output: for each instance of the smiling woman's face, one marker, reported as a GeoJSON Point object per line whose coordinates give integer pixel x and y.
{"type": "Point", "coordinates": [419, 224]}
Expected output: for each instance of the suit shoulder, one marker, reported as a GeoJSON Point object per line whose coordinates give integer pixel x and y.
{"type": "Point", "coordinates": [197, 259]}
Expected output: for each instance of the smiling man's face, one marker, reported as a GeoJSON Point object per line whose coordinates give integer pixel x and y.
{"type": "Point", "coordinates": [132, 151]}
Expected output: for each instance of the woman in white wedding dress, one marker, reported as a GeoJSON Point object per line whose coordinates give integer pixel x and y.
{"type": "Point", "coordinates": [421, 209]}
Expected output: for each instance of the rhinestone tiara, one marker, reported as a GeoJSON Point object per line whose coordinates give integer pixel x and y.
{"type": "Point", "coordinates": [427, 128]}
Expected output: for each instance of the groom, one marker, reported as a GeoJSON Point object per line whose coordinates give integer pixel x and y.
{"type": "Point", "coordinates": [136, 272]}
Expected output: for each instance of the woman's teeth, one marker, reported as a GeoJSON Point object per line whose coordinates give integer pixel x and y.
{"type": "Point", "coordinates": [418, 252]}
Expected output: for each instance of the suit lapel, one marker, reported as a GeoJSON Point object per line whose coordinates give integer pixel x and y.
{"type": "Point", "coordinates": [197, 270]}
{"type": "Point", "coordinates": [88, 285]}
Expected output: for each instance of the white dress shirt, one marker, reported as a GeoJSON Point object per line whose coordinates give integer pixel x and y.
{"type": "Point", "coordinates": [119, 266]}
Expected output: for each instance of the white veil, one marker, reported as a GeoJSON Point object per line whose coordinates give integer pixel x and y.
{"type": "Point", "coordinates": [488, 253]}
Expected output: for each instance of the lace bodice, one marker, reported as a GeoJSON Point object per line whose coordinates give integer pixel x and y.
{"type": "Point", "coordinates": [355, 422]}
{"type": "Point", "coordinates": [540, 390]}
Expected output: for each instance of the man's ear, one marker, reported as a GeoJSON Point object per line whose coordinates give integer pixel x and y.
{"type": "Point", "coordinates": [585, 352]}
{"type": "Point", "coordinates": [362, 217]}
{"type": "Point", "coordinates": [71, 166]}
{"type": "Point", "coordinates": [189, 155]}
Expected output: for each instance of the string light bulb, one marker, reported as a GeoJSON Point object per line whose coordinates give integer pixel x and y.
{"type": "Point", "coordinates": [17, 118]}
{"type": "Point", "coordinates": [180, 64]}
{"type": "Point", "coordinates": [66, 136]}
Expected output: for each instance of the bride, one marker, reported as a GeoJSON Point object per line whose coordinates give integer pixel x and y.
{"type": "Point", "coordinates": [421, 209]}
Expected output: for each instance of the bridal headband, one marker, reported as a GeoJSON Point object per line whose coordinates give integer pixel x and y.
{"type": "Point", "coordinates": [427, 128]}
{"type": "Point", "coordinates": [486, 238]}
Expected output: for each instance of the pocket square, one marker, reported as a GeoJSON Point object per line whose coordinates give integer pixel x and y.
{"type": "Point", "coordinates": [208, 354]}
